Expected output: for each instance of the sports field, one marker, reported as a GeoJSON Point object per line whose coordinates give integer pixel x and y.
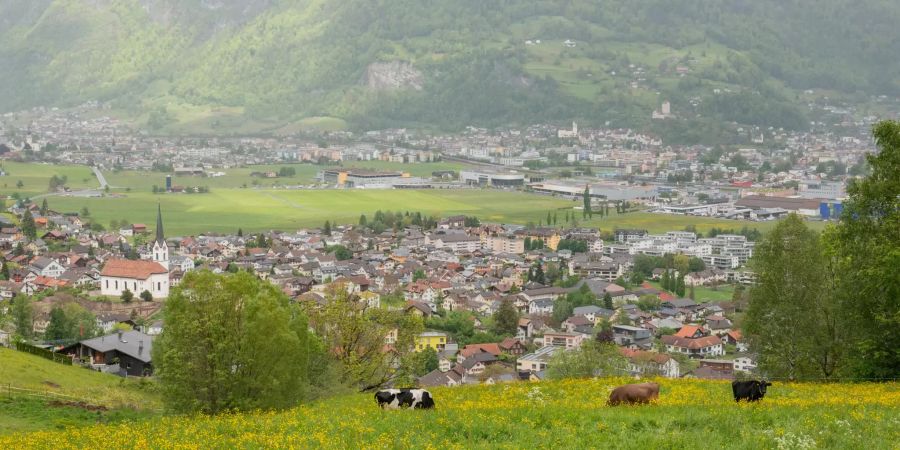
{"type": "Point", "coordinates": [226, 210]}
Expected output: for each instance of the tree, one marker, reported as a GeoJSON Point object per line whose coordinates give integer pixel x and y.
{"type": "Point", "coordinates": [587, 202]}
{"type": "Point", "coordinates": [607, 301]}
{"type": "Point", "coordinates": [28, 226]}
{"type": "Point", "coordinates": [58, 328]}
{"type": "Point", "coordinates": [44, 207]}
{"type": "Point", "coordinates": [649, 303]}
{"type": "Point", "coordinates": [592, 359]}
{"type": "Point", "coordinates": [326, 230]}
{"type": "Point", "coordinates": [792, 320]}
{"type": "Point", "coordinates": [696, 264]}
{"type": "Point", "coordinates": [234, 342]}
{"type": "Point", "coordinates": [146, 296]}
{"type": "Point", "coordinates": [23, 316]}
{"type": "Point", "coordinates": [341, 253]}
{"type": "Point", "coordinates": [679, 284]}
{"type": "Point", "coordinates": [85, 212]}
{"type": "Point", "coordinates": [354, 335]}
{"type": "Point", "coordinates": [506, 319]}
{"type": "Point", "coordinates": [362, 220]}
{"type": "Point", "coordinates": [527, 243]}
{"type": "Point", "coordinates": [127, 296]}
{"type": "Point", "coordinates": [691, 294]}
{"type": "Point", "coordinates": [419, 274]}
{"type": "Point", "coordinates": [865, 247]}
{"type": "Point", "coordinates": [666, 281]}
{"type": "Point", "coordinates": [562, 310]}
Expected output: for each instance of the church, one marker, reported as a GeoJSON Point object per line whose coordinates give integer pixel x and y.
{"type": "Point", "coordinates": [138, 276]}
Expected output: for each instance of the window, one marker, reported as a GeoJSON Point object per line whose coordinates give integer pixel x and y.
{"type": "Point", "coordinates": [107, 284]}
{"type": "Point", "coordinates": [117, 284]}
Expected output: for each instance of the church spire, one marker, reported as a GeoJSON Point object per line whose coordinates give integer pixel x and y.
{"type": "Point", "coordinates": [160, 236]}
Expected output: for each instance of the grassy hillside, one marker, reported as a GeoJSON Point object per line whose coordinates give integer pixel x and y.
{"type": "Point", "coordinates": [265, 65]}
{"type": "Point", "coordinates": [27, 371]}
{"type": "Point", "coordinates": [570, 414]}
{"type": "Point", "coordinates": [123, 399]}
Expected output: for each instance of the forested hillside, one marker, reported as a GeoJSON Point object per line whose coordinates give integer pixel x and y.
{"type": "Point", "coordinates": [453, 63]}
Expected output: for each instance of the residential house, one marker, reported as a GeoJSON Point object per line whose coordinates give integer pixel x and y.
{"type": "Point", "coordinates": [695, 348]}
{"type": "Point", "coordinates": [431, 339]}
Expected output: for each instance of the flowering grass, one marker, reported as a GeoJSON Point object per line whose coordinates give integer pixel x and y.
{"type": "Point", "coordinates": [566, 414]}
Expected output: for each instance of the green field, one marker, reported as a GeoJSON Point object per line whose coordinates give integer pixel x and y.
{"type": "Point", "coordinates": [707, 294]}
{"type": "Point", "coordinates": [226, 210]}
{"type": "Point", "coordinates": [126, 399]}
{"type": "Point", "coordinates": [568, 414]}
{"type": "Point", "coordinates": [35, 177]}
{"type": "Point", "coordinates": [240, 176]}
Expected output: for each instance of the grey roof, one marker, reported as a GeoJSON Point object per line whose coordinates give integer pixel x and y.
{"type": "Point", "coordinates": [129, 343]}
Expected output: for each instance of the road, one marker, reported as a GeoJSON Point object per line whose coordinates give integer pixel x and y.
{"type": "Point", "coordinates": [100, 177]}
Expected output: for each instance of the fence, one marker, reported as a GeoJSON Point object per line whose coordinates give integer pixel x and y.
{"type": "Point", "coordinates": [43, 353]}
{"type": "Point", "coordinates": [10, 391]}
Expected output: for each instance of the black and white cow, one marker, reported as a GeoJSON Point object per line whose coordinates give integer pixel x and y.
{"type": "Point", "coordinates": [408, 398]}
{"type": "Point", "coordinates": [749, 390]}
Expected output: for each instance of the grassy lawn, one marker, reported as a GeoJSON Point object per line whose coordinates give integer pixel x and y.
{"type": "Point", "coordinates": [566, 414]}
{"type": "Point", "coordinates": [36, 177]}
{"type": "Point", "coordinates": [706, 294]}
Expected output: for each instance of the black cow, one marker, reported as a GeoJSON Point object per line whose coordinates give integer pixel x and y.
{"type": "Point", "coordinates": [749, 390]}
{"type": "Point", "coordinates": [409, 398]}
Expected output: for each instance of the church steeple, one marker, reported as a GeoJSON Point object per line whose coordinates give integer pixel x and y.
{"type": "Point", "coordinates": [160, 248]}
{"type": "Point", "coordinates": [160, 236]}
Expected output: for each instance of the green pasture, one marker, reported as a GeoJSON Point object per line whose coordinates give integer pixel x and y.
{"type": "Point", "coordinates": [226, 210]}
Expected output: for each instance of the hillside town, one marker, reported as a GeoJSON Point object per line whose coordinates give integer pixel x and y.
{"type": "Point", "coordinates": [565, 286]}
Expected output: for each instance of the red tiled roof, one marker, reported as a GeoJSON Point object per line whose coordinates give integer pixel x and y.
{"type": "Point", "coordinates": [688, 331]}
{"type": "Point", "coordinates": [125, 268]}
{"type": "Point", "coordinates": [472, 349]}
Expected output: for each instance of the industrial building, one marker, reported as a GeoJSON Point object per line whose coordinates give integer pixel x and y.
{"type": "Point", "coordinates": [370, 179]}
{"type": "Point", "coordinates": [491, 178]}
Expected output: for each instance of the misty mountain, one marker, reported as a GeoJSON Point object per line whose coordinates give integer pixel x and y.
{"type": "Point", "coordinates": [445, 63]}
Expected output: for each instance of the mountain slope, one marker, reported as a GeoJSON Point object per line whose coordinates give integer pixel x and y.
{"type": "Point", "coordinates": [462, 62]}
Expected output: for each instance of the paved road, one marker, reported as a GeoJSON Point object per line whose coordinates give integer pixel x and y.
{"type": "Point", "coordinates": [100, 177]}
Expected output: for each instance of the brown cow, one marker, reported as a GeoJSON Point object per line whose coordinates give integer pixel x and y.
{"type": "Point", "coordinates": [634, 394]}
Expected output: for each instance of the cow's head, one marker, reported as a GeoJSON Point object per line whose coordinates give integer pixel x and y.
{"type": "Point", "coordinates": [762, 386]}
{"type": "Point", "coordinates": [383, 397]}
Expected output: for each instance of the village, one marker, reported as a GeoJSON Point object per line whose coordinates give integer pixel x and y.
{"type": "Point", "coordinates": [565, 286]}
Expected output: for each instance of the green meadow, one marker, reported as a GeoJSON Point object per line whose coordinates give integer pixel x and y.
{"type": "Point", "coordinates": [226, 210]}
{"type": "Point", "coordinates": [569, 414]}
{"type": "Point", "coordinates": [35, 177]}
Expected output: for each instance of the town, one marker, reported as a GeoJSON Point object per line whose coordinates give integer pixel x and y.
{"type": "Point", "coordinates": [564, 285]}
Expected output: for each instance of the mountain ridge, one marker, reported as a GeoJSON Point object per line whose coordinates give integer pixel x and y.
{"type": "Point", "coordinates": [279, 61]}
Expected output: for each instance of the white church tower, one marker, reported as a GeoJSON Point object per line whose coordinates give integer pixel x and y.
{"type": "Point", "coordinates": [160, 248]}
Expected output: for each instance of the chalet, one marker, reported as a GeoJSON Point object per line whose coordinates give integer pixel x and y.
{"type": "Point", "coordinates": [512, 346]}
{"type": "Point", "coordinates": [125, 353]}
{"type": "Point", "coordinates": [695, 348]}
{"type": "Point", "coordinates": [644, 363]}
